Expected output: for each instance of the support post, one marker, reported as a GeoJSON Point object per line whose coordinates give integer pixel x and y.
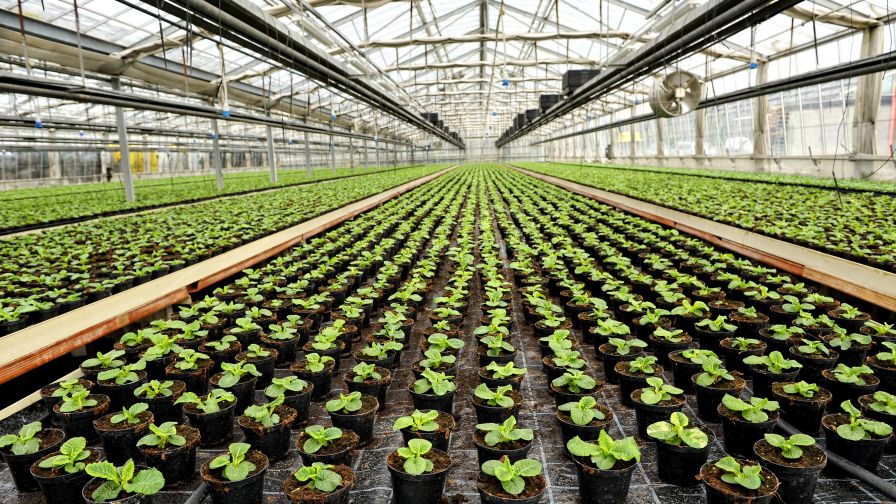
{"type": "Point", "coordinates": [332, 154]}
{"type": "Point", "coordinates": [760, 122]}
{"type": "Point", "coordinates": [351, 153]}
{"type": "Point", "coordinates": [216, 155]}
{"type": "Point", "coordinates": [376, 145]}
{"type": "Point", "coordinates": [308, 171]}
{"type": "Point", "coordinates": [272, 159]}
{"type": "Point", "coordinates": [124, 164]}
{"type": "Point", "coordinates": [700, 125]}
{"type": "Point", "coordinates": [867, 105]}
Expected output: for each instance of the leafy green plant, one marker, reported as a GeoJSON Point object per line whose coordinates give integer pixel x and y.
{"type": "Point", "coordinates": [794, 305]}
{"type": "Point", "coordinates": [418, 421]}
{"type": "Point", "coordinates": [209, 403]}
{"type": "Point", "coordinates": [315, 363]}
{"type": "Point", "coordinates": [362, 372]}
{"type": "Point", "coordinates": [233, 464]}
{"type": "Point", "coordinates": [790, 448]}
{"type": "Point", "coordinates": [162, 435]}
{"type": "Point", "coordinates": [496, 345]}
{"type": "Point", "coordinates": [575, 381]}
{"type": "Point", "coordinates": [442, 343]}
{"type": "Point", "coordinates": [505, 432]}
{"type": "Point", "coordinates": [676, 431]}
{"type": "Point", "coordinates": [512, 475]}
{"type": "Point", "coordinates": [124, 479]}
{"type": "Point", "coordinates": [626, 346]}
{"type": "Point", "coordinates": [719, 324]}
{"type": "Point", "coordinates": [854, 375]}
{"type": "Point", "coordinates": [345, 403]}
{"type": "Point", "coordinates": [584, 411]}
{"type": "Point", "coordinates": [435, 383]}
{"type": "Point", "coordinates": [843, 340]}
{"type": "Point", "coordinates": [280, 386]}
{"type": "Point", "coordinates": [813, 347]}
{"type": "Point", "coordinates": [802, 388]}
{"type": "Point", "coordinates": [67, 387]}
{"type": "Point", "coordinates": [497, 397]}
{"type": "Point", "coordinates": [433, 359]}
{"type": "Point", "coordinates": [670, 335]}
{"type": "Point", "coordinates": [256, 351]}
{"type": "Point", "coordinates": [713, 372]}
{"type": "Point", "coordinates": [72, 455]}
{"type": "Point", "coordinates": [658, 391]}
{"type": "Point", "coordinates": [221, 344]}
{"type": "Point", "coordinates": [188, 360]}
{"type": "Point", "coordinates": [320, 437]}
{"type": "Point", "coordinates": [859, 427]}
{"type": "Point", "coordinates": [131, 414]}
{"type": "Point", "coordinates": [155, 388]}
{"type": "Point", "coordinates": [774, 362]}
{"type": "Point", "coordinates": [754, 411]}
{"type": "Point", "coordinates": [319, 476]}
{"type": "Point", "coordinates": [504, 371]}
{"type": "Point", "coordinates": [25, 442]}
{"type": "Point", "coordinates": [568, 359]}
{"type": "Point", "coordinates": [781, 332]}
{"type": "Point", "coordinates": [232, 373]}
{"type": "Point", "coordinates": [607, 452]}
{"type": "Point", "coordinates": [123, 374]}
{"type": "Point", "coordinates": [642, 365]}
{"type": "Point", "coordinates": [265, 414]}
{"type": "Point", "coordinates": [414, 461]}
{"type": "Point", "coordinates": [740, 343]}
{"type": "Point", "coordinates": [884, 402]}
{"type": "Point", "coordinates": [748, 476]}
{"type": "Point", "coordinates": [108, 360]}
{"type": "Point", "coordinates": [612, 327]}
{"type": "Point", "coordinates": [77, 400]}
{"type": "Point", "coordinates": [699, 355]}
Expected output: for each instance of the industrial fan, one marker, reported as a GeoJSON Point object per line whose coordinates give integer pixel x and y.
{"type": "Point", "coordinates": [676, 94]}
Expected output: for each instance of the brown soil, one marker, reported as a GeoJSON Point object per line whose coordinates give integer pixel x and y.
{"type": "Point", "coordinates": [58, 471]}
{"type": "Point", "coordinates": [214, 476]}
{"type": "Point", "coordinates": [385, 373]}
{"type": "Point", "coordinates": [243, 356]}
{"type": "Point", "coordinates": [609, 349]}
{"type": "Point", "coordinates": [348, 441]}
{"type": "Point", "coordinates": [48, 392]}
{"type": "Point", "coordinates": [712, 476]}
{"type": "Point", "coordinates": [298, 492]}
{"type": "Point", "coordinates": [368, 404]}
{"type": "Point", "coordinates": [105, 424]}
{"type": "Point", "coordinates": [440, 461]}
{"type": "Point", "coordinates": [444, 421]}
{"type": "Point", "coordinates": [812, 456]}
{"type": "Point", "coordinates": [622, 368]}
{"type": "Point", "coordinates": [287, 416]}
{"type": "Point", "coordinates": [479, 437]}
{"type": "Point", "coordinates": [674, 401]}
{"type": "Point", "coordinates": [177, 389]}
{"type": "Point", "coordinates": [189, 433]}
{"type": "Point", "coordinates": [491, 486]}
{"type": "Point", "coordinates": [299, 366]}
{"type": "Point", "coordinates": [821, 396]}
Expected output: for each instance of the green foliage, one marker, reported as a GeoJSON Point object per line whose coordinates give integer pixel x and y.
{"type": "Point", "coordinates": [844, 341]}
{"type": "Point", "coordinates": [813, 347]}
{"type": "Point", "coordinates": [418, 421]}
{"type": "Point", "coordinates": [774, 362]}
{"type": "Point", "coordinates": [506, 432]}
{"type": "Point", "coordinates": [713, 372]}
{"type": "Point", "coordinates": [233, 464]}
{"type": "Point", "coordinates": [607, 451]}
{"type": "Point", "coordinates": [345, 404]}
{"type": "Point", "coordinates": [642, 365]}
{"type": "Point", "coordinates": [754, 411]}
{"type": "Point", "coordinates": [802, 388]}
{"type": "Point", "coordinates": [675, 432]}
{"type": "Point", "coordinates": [280, 386]}
{"type": "Point", "coordinates": [124, 479]}
{"type": "Point", "coordinates": [435, 383]}
{"type": "Point", "coordinates": [315, 363]}
{"type": "Point", "coordinates": [155, 388]}
{"type": "Point", "coordinates": [670, 335]}
{"type": "Point", "coordinates": [109, 360]}
{"type": "Point", "coordinates": [130, 415]}
{"type": "Point", "coordinates": [748, 476]}
{"type": "Point", "coordinates": [719, 324]}
{"type": "Point", "coordinates": [442, 342]}
{"type": "Point", "coordinates": [188, 360]}
{"type": "Point", "coordinates": [569, 359]}
{"type": "Point", "coordinates": [884, 402]}
{"type": "Point", "coordinates": [319, 476]}
{"type": "Point", "coordinates": [626, 346]}
{"type": "Point", "coordinates": [658, 391]}
{"type": "Point", "coordinates": [414, 460]}
{"type": "Point", "coordinates": [434, 359]}
{"type": "Point", "coordinates": [790, 448]}
{"type": "Point", "coordinates": [575, 381]}
{"type": "Point", "coordinates": [512, 476]}
{"type": "Point", "coordinates": [363, 371]}
{"type": "Point", "coordinates": [25, 442]}
{"type": "Point", "coordinates": [123, 374]}
{"type": "Point", "coordinates": [265, 414]}
{"type": "Point", "coordinates": [162, 435]}
{"type": "Point", "coordinates": [855, 375]}
{"type": "Point", "coordinates": [320, 437]}
{"type": "Point", "coordinates": [72, 455]}
{"type": "Point", "coordinates": [584, 411]}
{"type": "Point", "coordinates": [209, 403]}
{"type": "Point", "coordinates": [221, 344]}
{"type": "Point", "coordinates": [859, 427]}
{"type": "Point", "coordinates": [77, 400]}
{"type": "Point", "coordinates": [497, 397]}
{"type": "Point", "coordinates": [232, 373]}
{"type": "Point", "coordinates": [504, 371]}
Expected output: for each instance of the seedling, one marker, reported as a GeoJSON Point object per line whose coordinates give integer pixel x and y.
{"type": "Point", "coordinates": [512, 476]}
{"type": "Point", "coordinates": [713, 372]}
{"type": "Point", "coordinates": [319, 476]}
{"type": "Point", "coordinates": [210, 403]}
{"type": "Point", "coordinates": [315, 363]}
{"type": "Point", "coordinates": [345, 404]}
{"type": "Point", "coordinates": [124, 479]}
{"type": "Point", "coordinates": [265, 414]}
{"type": "Point", "coordinates": [642, 365]}
{"type": "Point", "coordinates": [221, 344]}
{"type": "Point", "coordinates": [280, 386]}
{"type": "Point", "coordinates": [611, 327]}
{"type": "Point", "coordinates": [68, 387]}
{"type": "Point", "coordinates": [607, 452]}
{"type": "Point", "coordinates": [442, 342]}
{"type": "Point", "coordinates": [813, 347]}
{"type": "Point", "coordinates": [790, 448]}
{"type": "Point", "coordinates": [754, 411]}
{"type": "Point", "coordinates": [435, 383]}
{"type": "Point", "coordinates": [25, 442]}
{"type": "Point", "coordinates": [506, 432]}
{"type": "Point", "coordinates": [495, 345]}
{"type": "Point", "coordinates": [234, 465]}
{"type": "Point", "coordinates": [418, 421]}
{"type": "Point", "coordinates": [860, 427]}
{"type": "Point", "coordinates": [719, 324]}
{"type": "Point", "coordinates": [162, 435]}
{"type": "Point", "coordinates": [414, 460]}
{"type": "Point", "coordinates": [748, 476]}
{"type": "Point", "coordinates": [884, 402]}
{"type": "Point", "coordinates": [434, 359]}
{"type": "Point", "coordinates": [670, 335]}
{"type": "Point", "coordinates": [72, 455]}
{"type": "Point", "coordinates": [130, 415]}
{"type": "Point", "coordinates": [625, 347]}
{"type": "Point", "coordinates": [320, 437]}
{"type": "Point", "coordinates": [676, 431]}
{"type": "Point", "coordinates": [575, 381]}
{"type": "Point", "coordinates": [77, 401]}
{"type": "Point", "coordinates": [232, 373]}
{"type": "Point", "coordinates": [658, 391]}
{"type": "Point", "coordinates": [802, 388]}
{"type": "Point", "coordinates": [584, 411]}
{"type": "Point", "coordinates": [256, 351]}
{"type": "Point", "coordinates": [497, 397]}
{"type": "Point", "coordinates": [781, 332]}
{"type": "Point", "coordinates": [109, 360]}
{"type": "Point", "coordinates": [844, 341]}
{"type": "Point", "coordinates": [852, 375]}
{"type": "Point", "coordinates": [504, 371]}
{"type": "Point", "coordinates": [188, 360]}
{"type": "Point", "coordinates": [569, 359]}
{"type": "Point", "coordinates": [155, 388]}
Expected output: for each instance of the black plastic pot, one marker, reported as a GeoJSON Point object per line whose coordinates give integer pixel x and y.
{"type": "Point", "coordinates": [299, 494]}
{"type": "Point", "coordinates": [439, 438]}
{"type": "Point", "coordinates": [497, 414]}
{"type": "Point", "coordinates": [709, 398]}
{"type": "Point", "coordinates": [360, 422]}
{"type": "Point", "coordinates": [301, 402]}
{"type": "Point", "coordinates": [629, 382]}
{"type": "Point", "coordinates": [244, 390]}
{"type": "Point", "coordinates": [120, 441]}
{"type": "Point", "coordinates": [865, 452]}
{"type": "Point", "coordinates": [797, 482]}
{"type": "Point", "coordinates": [485, 484]}
{"type": "Point", "coordinates": [718, 492]}
{"type": "Point", "coordinates": [711, 340]}
{"type": "Point", "coordinates": [740, 435]}
{"type": "Point", "coordinates": [120, 395]}
{"type": "Point", "coordinates": [163, 408]}
{"type": "Point", "coordinates": [63, 487]}
{"type": "Point", "coordinates": [376, 388]}
{"type": "Point", "coordinates": [881, 416]}
{"type": "Point", "coordinates": [847, 391]}
{"type": "Point", "coordinates": [569, 430]}
{"type": "Point", "coordinates": [286, 350]}
{"type": "Point", "coordinates": [46, 394]}
{"type": "Point", "coordinates": [431, 401]}
{"type": "Point", "coordinates": [503, 358]}
{"type": "Point", "coordinates": [646, 414]}
{"type": "Point", "coordinates": [680, 465]}
{"type": "Point", "coordinates": [598, 486]}
{"type": "Point", "coordinates": [562, 396]}
{"type": "Point", "coordinates": [247, 491]}
{"type": "Point", "coordinates": [812, 366]}
{"type": "Point", "coordinates": [20, 465]}
{"type": "Point", "coordinates": [662, 348]}
{"type": "Point", "coordinates": [342, 455]}
{"type": "Point", "coordinates": [611, 358]}
{"type": "Point", "coordinates": [485, 452]}
{"type": "Point", "coordinates": [80, 423]}
{"type": "Point", "coordinates": [763, 380]}
{"type": "Point", "coordinates": [216, 428]}
{"type": "Point", "coordinates": [176, 463]}
{"type": "Point", "coordinates": [682, 371]}
{"type": "Point", "coordinates": [886, 374]}
{"type": "Point", "coordinates": [272, 441]}
{"type": "Point", "coordinates": [321, 380]}
{"type": "Point", "coordinates": [124, 498]}
{"type": "Point", "coordinates": [155, 369]}
{"type": "Point", "coordinates": [335, 353]}
{"type": "Point", "coordinates": [219, 356]}
{"type": "Point", "coordinates": [493, 383]}
{"type": "Point", "coordinates": [803, 413]}
{"type": "Point", "coordinates": [424, 488]}
{"type": "Point", "coordinates": [266, 366]}
{"type": "Point", "coordinates": [734, 358]}
{"type": "Point", "coordinates": [195, 380]}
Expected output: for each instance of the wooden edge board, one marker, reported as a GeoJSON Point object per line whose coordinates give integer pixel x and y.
{"type": "Point", "coordinates": [869, 284]}
{"type": "Point", "coordinates": [41, 343]}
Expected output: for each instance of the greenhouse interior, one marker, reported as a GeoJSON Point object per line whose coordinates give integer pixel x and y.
{"type": "Point", "coordinates": [447, 251]}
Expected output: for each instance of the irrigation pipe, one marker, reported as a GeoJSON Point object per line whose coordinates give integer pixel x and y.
{"type": "Point", "coordinates": [198, 495]}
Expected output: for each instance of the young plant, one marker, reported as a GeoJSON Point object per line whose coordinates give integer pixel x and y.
{"type": "Point", "coordinates": [68, 387]}
{"type": "Point", "coordinates": [210, 403]}
{"type": "Point", "coordinates": [612, 328]}
{"type": "Point", "coordinates": [802, 388]}
{"type": "Point", "coordinates": [320, 437]}
{"type": "Point", "coordinates": [670, 335]}
{"type": "Point", "coordinates": [607, 452]}
{"type": "Point", "coordinates": [496, 345]}
{"type": "Point", "coordinates": [790, 448]}
{"type": "Point", "coordinates": [884, 402]}
{"type": "Point", "coordinates": [188, 360]}
{"type": "Point", "coordinates": [512, 475]}
{"type": "Point", "coordinates": [813, 347]}
{"type": "Point", "coordinates": [504, 371]}
{"type": "Point", "coordinates": [569, 359]}
{"type": "Point", "coordinates": [781, 332]}
{"type": "Point", "coordinates": [232, 373]}
{"type": "Point", "coordinates": [72, 455]}
{"type": "Point", "coordinates": [345, 404]}
{"type": "Point", "coordinates": [319, 476]}
{"type": "Point", "coordinates": [362, 372]}
{"type": "Point", "coordinates": [749, 476]}
{"type": "Point", "coordinates": [626, 346]}
{"type": "Point", "coordinates": [860, 427]}
{"type": "Point", "coordinates": [754, 411]}
{"type": "Point", "coordinates": [123, 374]}
{"type": "Point", "coordinates": [575, 381]}
{"type": "Point", "coordinates": [658, 391]}
{"type": "Point", "coordinates": [740, 343]}
{"type": "Point", "coordinates": [774, 362]}
{"type": "Point", "coordinates": [418, 421]}
{"type": "Point", "coordinates": [25, 442]}
{"type": "Point", "coordinates": [435, 383]}
{"type": "Point", "coordinates": [844, 341]}
{"type": "Point", "coordinates": [713, 372]}
{"type": "Point", "coordinates": [256, 351]}
{"type": "Point", "coordinates": [124, 479]}
{"type": "Point", "coordinates": [280, 386]}
{"type": "Point", "coordinates": [642, 365]}
{"type": "Point", "coordinates": [887, 358]}
{"type": "Point", "coordinates": [315, 363]}
{"type": "Point", "coordinates": [234, 465]}
{"type": "Point", "coordinates": [676, 431]}
{"type": "Point", "coordinates": [442, 343]}
{"type": "Point", "coordinates": [130, 415]}
{"type": "Point", "coordinates": [852, 375]}
{"type": "Point", "coordinates": [155, 388]}
{"type": "Point", "coordinates": [497, 397]}
{"type": "Point", "coordinates": [584, 411]}
{"type": "Point", "coordinates": [414, 461]}
{"type": "Point", "coordinates": [221, 344]}
{"type": "Point", "coordinates": [265, 414]}
{"type": "Point", "coordinates": [162, 435]}
{"type": "Point", "coordinates": [506, 432]}
{"type": "Point", "coordinates": [719, 324]}
{"type": "Point", "coordinates": [434, 359]}
{"type": "Point", "coordinates": [109, 360]}
{"type": "Point", "coordinates": [77, 401]}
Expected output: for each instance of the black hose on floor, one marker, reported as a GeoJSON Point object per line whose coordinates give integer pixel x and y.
{"type": "Point", "coordinates": [852, 470]}
{"type": "Point", "coordinates": [198, 495]}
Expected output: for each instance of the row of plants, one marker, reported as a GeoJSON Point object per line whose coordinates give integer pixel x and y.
{"type": "Point", "coordinates": [28, 208]}
{"type": "Point", "coordinates": [50, 272]}
{"type": "Point", "coordinates": [861, 229]}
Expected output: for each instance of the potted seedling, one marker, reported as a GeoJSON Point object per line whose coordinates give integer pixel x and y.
{"type": "Point", "coordinates": [433, 391]}
{"type": "Point", "coordinates": [163, 351]}
{"type": "Point", "coordinates": [604, 468]}
{"type": "Point", "coordinates": [802, 404]}
{"type": "Point", "coordinates": [849, 317]}
{"type": "Point", "coordinates": [21, 450]}
{"type": "Point", "coordinates": [688, 313]}
{"type": "Point", "coordinates": [120, 431]}
{"type": "Point", "coordinates": [319, 483]}
{"type": "Point", "coordinates": [655, 402]}
{"type": "Point", "coordinates": [687, 363]}
{"type": "Point", "coordinates": [504, 481]}
{"type": "Point", "coordinates": [563, 361]}
{"type": "Point", "coordinates": [769, 369]}
{"type": "Point", "coordinates": [78, 410]}
{"type": "Point", "coordinates": [356, 412]}
{"type": "Point", "coordinates": [263, 359]}
{"type": "Point", "coordinates": [128, 484]}
{"type": "Point", "coordinates": [606, 329]}
{"type": "Point", "coordinates": [119, 383]}
{"type": "Point", "coordinates": [572, 386]}
{"type": "Point", "coordinates": [884, 366]}
{"type": "Point", "coordinates": [879, 331]}
{"type": "Point", "coordinates": [93, 366]}
{"type": "Point", "coordinates": [369, 380]}
{"type": "Point", "coordinates": [296, 394]}
{"type": "Point", "coordinates": [236, 477]}
{"type": "Point", "coordinates": [222, 350]}
{"type": "Point", "coordinates": [171, 448]}
{"type": "Point", "coordinates": [239, 378]}
{"type": "Point", "coordinates": [267, 427]}
{"type": "Point", "coordinates": [735, 350]}
{"type": "Point", "coordinates": [855, 437]}
{"type": "Point", "coordinates": [193, 368]}
{"type": "Point", "coordinates": [328, 445]}
{"type": "Point", "coordinates": [618, 350]}
{"type": "Point", "coordinates": [789, 309]}
{"type": "Point", "coordinates": [132, 343]}
{"type": "Point", "coordinates": [711, 332]}
{"type": "Point", "coordinates": [418, 473]}
{"type": "Point", "coordinates": [51, 394]}
{"type": "Point", "coordinates": [680, 450]}
{"type": "Point", "coordinates": [431, 425]}
{"type": "Point", "coordinates": [745, 422]}
{"type": "Point", "coordinates": [496, 405]}
{"type": "Point", "coordinates": [495, 348]}
{"type": "Point", "coordinates": [160, 396]}
{"type": "Point", "coordinates": [779, 337]}
{"type": "Point", "coordinates": [60, 474]}
{"type": "Point", "coordinates": [283, 339]}
{"type": "Point", "coordinates": [796, 461]}
{"type": "Point", "coordinates": [633, 375]}
{"type": "Point", "coordinates": [560, 339]}
{"type": "Point", "coordinates": [379, 354]}
{"type": "Point", "coordinates": [880, 406]}
{"type": "Point", "coordinates": [815, 356]}
{"type": "Point", "coordinates": [711, 385]}
{"type": "Point", "coordinates": [442, 342]}
{"type": "Point", "coordinates": [669, 340]}
{"type": "Point", "coordinates": [848, 383]}
{"type": "Point", "coordinates": [737, 480]}
{"type": "Point", "coordinates": [318, 370]}
{"type": "Point", "coordinates": [494, 441]}
{"type": "Point", "coordinates": [436, 361]}
{"type": "Point", "coordinates": [852, 347]}
{"type": "Point", "coordinates": [212, 414]}
{"type": "Point", "coordinates": [497, 375]}
{"type": "Point", "coordinates": [246, 330]}
{"type": "Point", "coordinates": [584, 418]}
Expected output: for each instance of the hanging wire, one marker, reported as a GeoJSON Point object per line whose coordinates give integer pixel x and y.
{"type": "Point", "coordinates": [78, 40]}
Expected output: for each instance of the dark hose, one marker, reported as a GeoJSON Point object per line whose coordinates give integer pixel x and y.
{"type": "Point", "coordinates": [198, 494]}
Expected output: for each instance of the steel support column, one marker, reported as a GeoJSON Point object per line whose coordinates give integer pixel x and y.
{"type": "Point", "coordinates": [760, 122]}
{"type": "Point", "coordinates": [867, 103]}
{"type": "Point", "coordinates": [124, 164]}
{"type": "Point", "coordinates": [216, 155]}
{"type": "Point", "coordinates": [272, 158]}
{"type": "Point", "coordinates": [308, 170]}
